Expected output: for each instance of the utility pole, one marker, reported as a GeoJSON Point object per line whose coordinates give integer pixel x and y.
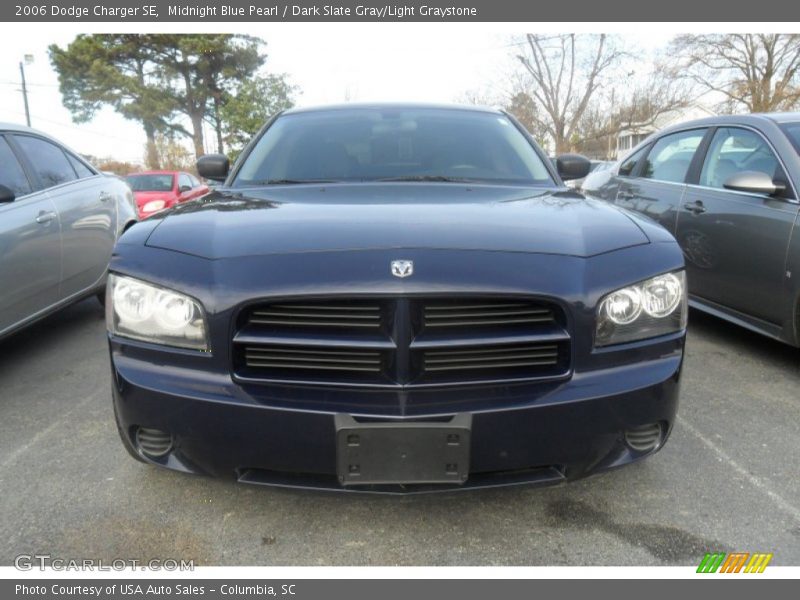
{"type": "Point", "coordinates": [28, 60]}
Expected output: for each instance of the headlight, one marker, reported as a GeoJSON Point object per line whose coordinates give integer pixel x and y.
{"type": "Point", "coordinates": [153, 206]}
{"type": "Point", "coordinates": [146, 312]}
{"type": "Point", "coordinates": [648, 309]}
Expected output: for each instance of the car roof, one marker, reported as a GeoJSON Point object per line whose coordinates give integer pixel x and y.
{"type": "Point", "coordinates": [753, 119]}
{"type": "Point", "coordinates": [20, 128]}
{"type": "Point", "coordinates": [392, 106]}
{"type": "Point", "coordinates": [783, 117]}
{"type": "Point", "coordinates": [16, 128]}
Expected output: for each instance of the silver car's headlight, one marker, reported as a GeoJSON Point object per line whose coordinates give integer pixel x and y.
{"type": "Point", "coordinates": [647, 309]}
{"type": "Point", "coordinates": [147, 312]}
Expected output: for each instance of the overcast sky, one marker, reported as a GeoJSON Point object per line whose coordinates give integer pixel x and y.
{"type": "Point", "coordinates": [362, 62]}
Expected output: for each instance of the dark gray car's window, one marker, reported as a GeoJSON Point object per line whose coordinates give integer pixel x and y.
{"type": "Point", "coordinates": [379, 144]}
{"type": "Point", "coordinates": [81, 169]}
{"type": "Point", "coordinates": [792, 131]}
{"type": "Point", "coordinates": [671, 156]}
{"type": "Point", "coordinates": [11, 174]}
{"type": "Point", "coordinates": [734, 150]}
{"type": "Point", "coordinates": [48, 160]}
{"type": "Point", "coordinates": [629, 164]}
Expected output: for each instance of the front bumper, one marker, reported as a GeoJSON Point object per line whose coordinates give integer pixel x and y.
{"type": "Point", "coordinates": [547, 435]}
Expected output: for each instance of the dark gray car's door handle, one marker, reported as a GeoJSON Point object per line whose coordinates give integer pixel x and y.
{"type": "Point", "coordinates": [45, 217]}
{"type": "Point", "coordinates": [695, 207]}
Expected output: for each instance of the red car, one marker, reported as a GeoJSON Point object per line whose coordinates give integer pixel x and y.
{"type": "Point", "coordinates": [157, 190]}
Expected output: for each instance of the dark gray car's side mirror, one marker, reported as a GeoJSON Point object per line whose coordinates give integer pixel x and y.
{"type": "Point", "coordinates": [573, 166]}
{"type": "Point", "coordinates": [753, 182]}
{"type": "Point", "coordinates": [6, 194]}
{"type": "Point", "coordinates": [213, 166]}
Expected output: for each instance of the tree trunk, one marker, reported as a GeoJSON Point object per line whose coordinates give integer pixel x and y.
{"type": "Point", "coordinates": [218, 124]}
{"type": "Point", "coordinates": [197, 134]}
{"type": "Point", "coordinates": [560, 137]}
{"type": "Point", "coordinates": [196, 111]}
{"type": "Point", "coordinates": [220, 145]}
{"type": "Point", "coordinates": [153, 161]}
{"type": "Point", "coordinates": [562, 143]}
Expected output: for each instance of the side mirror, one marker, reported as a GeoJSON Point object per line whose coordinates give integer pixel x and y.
{"type": "Point", "coordinates": [573, 166]}
{"type": "Point", "coordinates": [753, 182]}
{"type": "Point", "coordinates": [6, 194]}
{"type": "Point", "coordinates": [213, 166]}
{"type": "Point", "coordinates": [185, 188]}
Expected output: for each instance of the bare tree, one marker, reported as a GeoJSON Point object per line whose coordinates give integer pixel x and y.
{"type": "Point", "coordinates": [566, 71]}
{"type": "Point", "coordinates": [480, 97]}
{"type": "Point", "coordinates": [515, 98]}
{"type": "Point", "coordinates": [755, 72]}
{"type": "Point", "coordinates": [639, 107]}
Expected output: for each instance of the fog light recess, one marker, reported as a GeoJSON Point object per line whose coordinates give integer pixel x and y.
{"type": "Point", "coordinates": [153, 443]}
{"type": "Point", "coordinates": [645, 438]}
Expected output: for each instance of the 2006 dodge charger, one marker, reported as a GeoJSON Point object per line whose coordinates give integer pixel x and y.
{"type": "Point", "coordinates": [395, 298]}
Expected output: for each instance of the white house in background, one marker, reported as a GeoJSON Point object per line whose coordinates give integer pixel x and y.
{"type": "Point", "coordinates": [629, 138]}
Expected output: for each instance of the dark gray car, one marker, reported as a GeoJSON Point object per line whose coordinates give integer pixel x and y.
{"type": "Point", "coordinates": [59, 220]}
{"type": "Point", "coordinates": [726, 188]}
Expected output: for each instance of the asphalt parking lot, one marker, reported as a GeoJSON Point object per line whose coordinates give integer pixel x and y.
{"type": "Point", "coordinates": [726, 481]}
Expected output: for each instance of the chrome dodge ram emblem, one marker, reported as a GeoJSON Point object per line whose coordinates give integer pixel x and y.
{"type": "Point", "coordinates": [402, 268]}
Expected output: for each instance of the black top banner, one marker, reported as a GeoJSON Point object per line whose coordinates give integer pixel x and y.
{"type": "Point", "coordinates": [254, 11]}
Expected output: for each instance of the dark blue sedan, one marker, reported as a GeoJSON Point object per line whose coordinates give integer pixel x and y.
{"type": "Point", "coordinates": [395, 298]}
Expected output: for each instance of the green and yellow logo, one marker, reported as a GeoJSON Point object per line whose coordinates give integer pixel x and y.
{"type": "Point", "coordinates": [735, 562]}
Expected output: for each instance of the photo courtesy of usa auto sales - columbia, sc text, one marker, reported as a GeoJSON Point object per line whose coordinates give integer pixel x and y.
{"type": "Point", "coordinates": [135, 589]}
{"type": "Point", "coordinates": [204, 11]}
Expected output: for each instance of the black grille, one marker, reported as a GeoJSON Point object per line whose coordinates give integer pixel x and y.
{"type": "Point", "coordinates": [402, 342]}
{"type": "Point", "coordinates": [153, 442]}
{"type": "Point", "coordinates": [289, 362]}
{"type": "Point", "coordinates": [333, 314]}
{"type": "Point", "coordinates": [457, 313]}
{"type": "Point", "coordinates": [513, 356]}
{"type": "Point", "coordinates": [644, 438]}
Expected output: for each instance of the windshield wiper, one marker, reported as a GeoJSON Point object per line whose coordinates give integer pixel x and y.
{"type": "Point", "coordinates": [292, 181]}
{"type": "Point", "coordinates": [427, 178]}
{"type": "Point", "coordinates": [422, 178]}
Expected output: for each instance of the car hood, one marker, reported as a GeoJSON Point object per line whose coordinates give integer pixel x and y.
{"type": "Point", "coordinates": [306, 218]}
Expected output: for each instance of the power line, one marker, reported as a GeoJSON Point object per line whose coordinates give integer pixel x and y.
{"type": "Point", "coordinates": [50, 85]}
{"type": "Point", "coordinates": [79, 128]}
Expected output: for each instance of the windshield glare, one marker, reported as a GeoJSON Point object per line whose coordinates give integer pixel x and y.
{"type": "Point", "coordinates": [150, 183]}
{"type": "Point", "coordinates": [393, 144]}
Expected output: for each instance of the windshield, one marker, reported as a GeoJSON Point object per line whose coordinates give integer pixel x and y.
{"type": "Point", "coordinates": [395, 145]}
{"type": "Point", "coordinates": [150, 183]}
{"type": "Point", "coordinates": [792, 131]}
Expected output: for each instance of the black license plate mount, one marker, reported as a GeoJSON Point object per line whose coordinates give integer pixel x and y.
{"type": "Point", "coordinates": [402, 453]}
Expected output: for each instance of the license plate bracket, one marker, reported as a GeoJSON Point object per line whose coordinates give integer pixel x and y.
{"type": "Point", "coordinates": [388, 452]}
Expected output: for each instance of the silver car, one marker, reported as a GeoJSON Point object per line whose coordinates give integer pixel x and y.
{"type": "Point", "coordinates": [59, 220]}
